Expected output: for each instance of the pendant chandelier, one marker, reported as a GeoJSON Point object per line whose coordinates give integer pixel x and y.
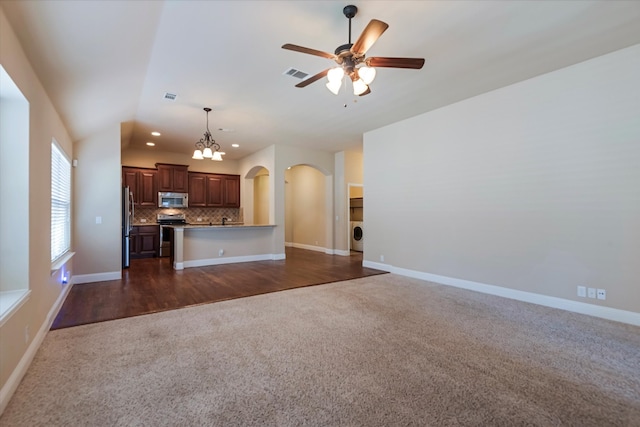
{"type": "Point", "coordinates": [207, 147]}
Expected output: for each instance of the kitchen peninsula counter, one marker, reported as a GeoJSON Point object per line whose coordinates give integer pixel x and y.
{"type": "Point", "coordinates": [198, 245]}
{"type": "Point", "coordinates": [227, 225]}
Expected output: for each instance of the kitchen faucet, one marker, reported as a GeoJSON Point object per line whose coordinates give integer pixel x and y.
{"type": "Point", "coordinates": [224, 220]}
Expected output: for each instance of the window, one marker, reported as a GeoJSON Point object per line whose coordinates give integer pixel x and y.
{"type": "Point", "coordinates": [14, 187]}
{"type": "Point", "coordinates": [60, 202]}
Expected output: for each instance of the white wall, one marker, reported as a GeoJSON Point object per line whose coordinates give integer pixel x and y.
{"type": "Point", "coordinates": [306, 218]}
{"type": "Point", "coordinates": [98, 192]}
{"type": "Point", "coordinates": [533, 187]}
{"type": "Point", "coordinates": [22, 333]}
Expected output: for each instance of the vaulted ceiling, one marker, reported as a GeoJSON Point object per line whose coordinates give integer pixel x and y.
{"type": "Point", "coordinates": [106, 62]}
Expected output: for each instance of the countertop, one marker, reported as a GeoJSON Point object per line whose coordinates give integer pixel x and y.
{"type": "Point", "coordinates": [227, 225]}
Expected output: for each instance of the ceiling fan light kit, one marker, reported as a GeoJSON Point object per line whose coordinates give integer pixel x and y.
{"type": "Point", "coordinates": [207, 147]}
{"type": "Point", "coordinates": [351, 59]}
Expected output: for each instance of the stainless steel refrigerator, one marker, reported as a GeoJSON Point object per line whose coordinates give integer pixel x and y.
{"type": "Point", "coordinates": [127, 221]}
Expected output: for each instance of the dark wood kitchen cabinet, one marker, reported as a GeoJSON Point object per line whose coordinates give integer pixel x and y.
{"type": "Point", "coordinates": [172, 178]}
{"type": "Point", "coordinates": [197, 189]}
{"type": "Point", "coordinates": [231, 191]}
{"type": "Point", "coordinates": [143, 183]}
{"type": "Point", "coordinates": [145, 241]}
{"type": "Point", "coordinates": [214, 190]}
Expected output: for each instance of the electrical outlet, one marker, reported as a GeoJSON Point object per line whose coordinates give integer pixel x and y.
{"type": "Point", "coordinates": [602, 294]}
{"type": "Point", "coordinates": [591, 292]}
{"type": "Point", "coordinates": [582, 291]}
{"type": "Point", "coordinates": [221, 252]}
{"type": "Point", "coordinates": [381, 258]}
{"type": "Point", "coordinates": [199, 219]}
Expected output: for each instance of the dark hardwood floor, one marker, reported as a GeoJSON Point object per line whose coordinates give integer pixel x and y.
{"type": "Point", "coordinates": [151, 285]}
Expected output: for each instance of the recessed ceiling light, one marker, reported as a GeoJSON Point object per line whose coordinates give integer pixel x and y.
{"type": "Point", "coordinates": [235, 145]}
{"type": "Point", "coordinates": [155, 133]}
{"type": "Point", "coordinates": [151, 144]}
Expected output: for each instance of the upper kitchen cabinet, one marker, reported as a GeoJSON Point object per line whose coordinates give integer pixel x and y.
{"type": "Point", "coordinates": [172, 178]}
{"type": "Point", "coordinates": [197, 189]}
{"type": "Point", "coordinates": [143, 183]}
{"type": "Point", "coordinates": [231, 190]}
{"type": "Point", "coordinates": [214, 190]}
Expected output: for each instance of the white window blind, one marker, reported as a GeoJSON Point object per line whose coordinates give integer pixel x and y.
{"type": "Point", "coordinates": [60, 202]}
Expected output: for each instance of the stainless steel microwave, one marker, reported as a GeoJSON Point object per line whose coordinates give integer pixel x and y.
{"type": "Point", "coordinates": [173, 200]}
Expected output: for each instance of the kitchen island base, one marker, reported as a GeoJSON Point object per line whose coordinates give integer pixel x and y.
{"type": "Point", "coordinates": [198, 246]}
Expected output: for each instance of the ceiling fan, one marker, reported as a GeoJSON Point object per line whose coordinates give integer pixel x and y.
{"type": "Point", "coordinates": [351, 58]}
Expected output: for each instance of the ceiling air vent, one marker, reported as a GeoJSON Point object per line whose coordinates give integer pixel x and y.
{"type": "Point", "coordinates": [296, 73]}
{"type": "Point", "coordinates": [170, 96]}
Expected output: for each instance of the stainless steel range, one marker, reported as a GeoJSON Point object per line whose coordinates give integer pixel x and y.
{"type": "Point", "coordinates": [168, 219]}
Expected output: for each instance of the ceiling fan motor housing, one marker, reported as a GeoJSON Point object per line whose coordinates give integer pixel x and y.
{"type": "Point", "coordinates": [350, 11]}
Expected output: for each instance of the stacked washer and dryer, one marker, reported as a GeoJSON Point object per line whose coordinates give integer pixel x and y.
{"type": "Point", "coordinates": [356, 229]}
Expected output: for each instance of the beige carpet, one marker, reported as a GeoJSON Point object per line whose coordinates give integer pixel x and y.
{"type": "Point", "coordinates": [378, 351]}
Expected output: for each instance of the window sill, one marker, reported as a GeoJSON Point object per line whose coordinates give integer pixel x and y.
{"type": "Point", "coordinates": [62, 260]}
{"type": "Point", "coordinates": [10, 302]}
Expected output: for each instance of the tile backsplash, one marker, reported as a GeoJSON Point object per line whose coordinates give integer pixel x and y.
{"type": "Point", "coordinates": [214, 215]}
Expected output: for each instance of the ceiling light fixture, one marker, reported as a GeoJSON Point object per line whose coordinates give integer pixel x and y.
{"type": "Point", "coordinates": [360, 77]}
{"type": "Point", "coordinates": [151, 144]}
{"type": "Point", "coordinates": [154, 133]}
{"type": "Point", "coordinates": [207, 147]}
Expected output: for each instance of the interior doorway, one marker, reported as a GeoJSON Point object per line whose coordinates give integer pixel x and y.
{"type": "Point", "coordinates": [356, 218]}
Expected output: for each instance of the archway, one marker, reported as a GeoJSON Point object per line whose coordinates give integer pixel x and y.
{"type": "Point", "coordinates": [257, 184]}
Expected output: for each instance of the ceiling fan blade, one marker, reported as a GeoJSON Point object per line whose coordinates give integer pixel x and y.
{"type": "Point", "coordinates": [312, 79]}
{"type": "Point", "coordinates": [415, 63]}
{"type": "Point", "coordinates": [371, 33]}
{"type": "Point", "coordinates": [301, 49]}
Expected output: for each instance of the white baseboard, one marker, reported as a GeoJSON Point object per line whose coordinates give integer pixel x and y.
{"type": "Point", "coordinates": [608, 313]}
{"type": "Point", "coordinates": [229, 260]}
{"type": "Point", "coordinates": [311, 248]}
{"type": "Point", "coordinates": [96, 277]}
{"type": "Point", "coordinates": [327, 251]}
{"type": "Point", "coordinates": [18, 373]}
{"type": "Point", "coordinates": [377, 266]}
